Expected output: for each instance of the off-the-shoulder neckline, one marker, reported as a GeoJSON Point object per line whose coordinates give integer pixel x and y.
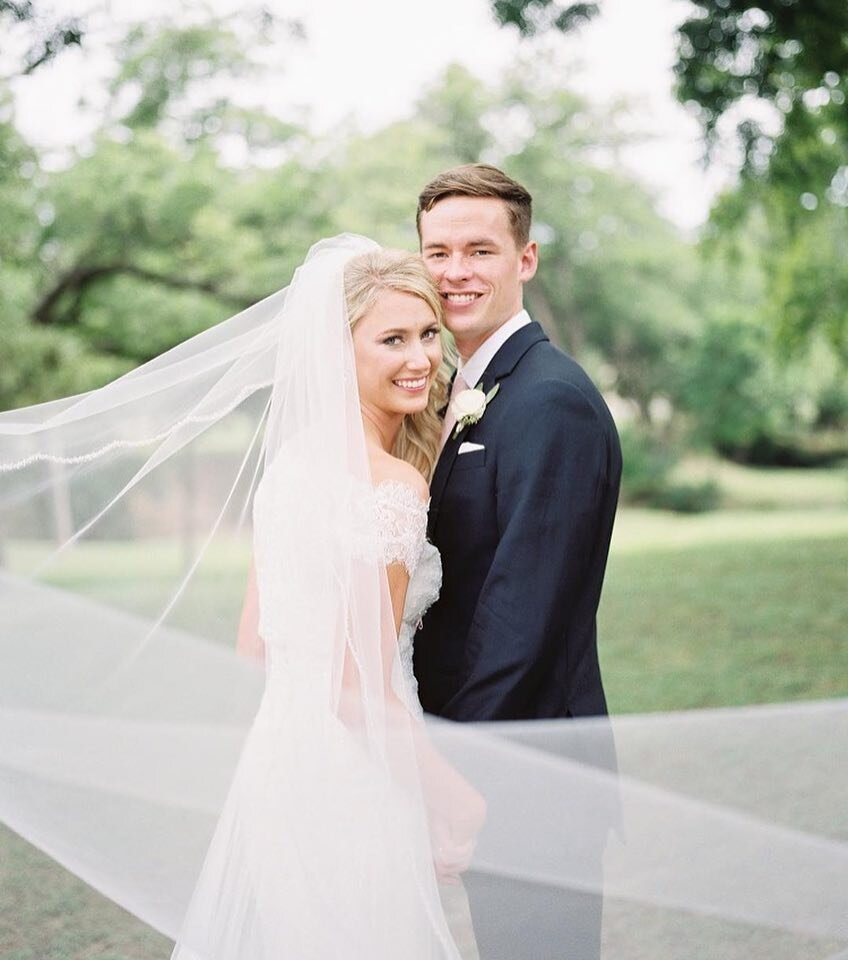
{"type": "Point", "coordinates": [389, 482]}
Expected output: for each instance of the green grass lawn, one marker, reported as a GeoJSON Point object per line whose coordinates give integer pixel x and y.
{"type": "Point", "coordinates": [726, 623]}
{"type": "Point", "coordinates": [737, 606]}
{"type": "Point", "coordinates": [733, 607]}
{"type": "Point", "coordinates": [46, 913]}
{"type": "Point", "coordinates": [769, 487]}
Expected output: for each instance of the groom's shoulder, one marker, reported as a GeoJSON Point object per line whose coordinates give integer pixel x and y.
{"type": "Point", "coordinates": [547, 362]}
{"type": "Point", "coordinates": [551, 383]}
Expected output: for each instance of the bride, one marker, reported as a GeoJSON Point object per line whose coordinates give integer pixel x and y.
{"type": "Point", "coordinates": [324, 845]}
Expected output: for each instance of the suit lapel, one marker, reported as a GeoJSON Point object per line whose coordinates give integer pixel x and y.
{"type": "Point", "coordinates": [500, 367]}
{"type": "Point", "coordinates": [506, 359]}
{"type": "Point", "coordinates": [440, 476]}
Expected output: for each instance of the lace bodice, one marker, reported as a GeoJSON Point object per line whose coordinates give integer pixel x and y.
{"type": "Point", "coordinates": [402, 530]}
{"type": "Point", "coordinates": [401, 523]}
{"type": "Point", "coordinates": [387, 521]}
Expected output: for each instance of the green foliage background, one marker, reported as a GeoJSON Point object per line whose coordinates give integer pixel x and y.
{"type": "Point", "coordinates": [151, 231]}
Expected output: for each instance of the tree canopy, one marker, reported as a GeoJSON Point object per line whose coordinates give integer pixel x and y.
{"type": "Point", "coordinates": [40, 39]}
{"type": "Point", "coordinates": [789, 53]}
{"type": "Point", "coordinates": [535, 16]}
{"type": "Point", "coordinates": [151, 231]}
{"type": "Point", "coordinates": [776, 73]}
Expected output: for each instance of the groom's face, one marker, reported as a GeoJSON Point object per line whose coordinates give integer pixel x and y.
{"type": "Point", "coordinates": [469, 248]}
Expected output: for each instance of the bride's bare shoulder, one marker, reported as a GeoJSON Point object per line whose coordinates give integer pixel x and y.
{"type": "Point", "coordinates": [388, 469]}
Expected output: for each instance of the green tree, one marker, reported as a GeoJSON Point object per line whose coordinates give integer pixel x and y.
{"type": "Point", "coordinates": [616, 284]}
{"type": "Point", "coordinates": [40, 38]}
{"type": "Point", "coordinates": [753, 385]}
{"type": "Point", "coordinates": [791, 57]}
{"type": "Point", "coordinates": [794, 57]}
{"type": "Point", "coordinates": [791, 54]}
{"type": "Point", "coordinates": [456, 107]}
{"type": "Point", "coordinates": [145, 239]}
{"type": "Point", "coordinates": [616, 281]}
{"type": "Point", "coordinates": [151, 234]}
{"type": "Point", "coordinates": [536, 16]}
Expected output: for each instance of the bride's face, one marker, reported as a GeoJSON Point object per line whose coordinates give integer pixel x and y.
{"type": "Point", "coordinates": [398, 350]}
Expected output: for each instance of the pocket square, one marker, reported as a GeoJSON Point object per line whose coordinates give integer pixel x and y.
{"type": "Point", "coordinates": [469, 447]}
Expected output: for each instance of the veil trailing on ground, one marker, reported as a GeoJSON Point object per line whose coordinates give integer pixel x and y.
{"type": "Point", "coordinates": [129, 520]}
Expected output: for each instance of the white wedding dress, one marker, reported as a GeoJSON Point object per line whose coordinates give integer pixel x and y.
{"type": "Point", "coordinates": [402, 527]}
{"type": "Point", "coordinates": [316, 853]}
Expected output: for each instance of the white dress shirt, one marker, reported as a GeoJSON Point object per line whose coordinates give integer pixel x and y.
{"type": "Point", "coordinates": [474, 368]}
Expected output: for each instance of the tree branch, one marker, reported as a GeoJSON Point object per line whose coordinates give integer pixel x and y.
{"type": "Point", "coordinates": [78, 280]}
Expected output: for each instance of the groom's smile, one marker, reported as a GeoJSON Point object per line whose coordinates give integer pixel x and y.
{"type": "Point", "coordinates": [469, 248]}
{"type": "Point", "coordinates": [460, 299]}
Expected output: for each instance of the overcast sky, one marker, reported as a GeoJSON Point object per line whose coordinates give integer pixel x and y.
{"type": "Point", "coordinates": [370, 60]}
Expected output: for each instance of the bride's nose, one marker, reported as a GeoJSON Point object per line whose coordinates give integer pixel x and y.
{"type": "Point", "coordinates": [416, 358]}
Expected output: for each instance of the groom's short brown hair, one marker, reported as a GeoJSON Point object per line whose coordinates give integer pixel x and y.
{"type": "Point", "coordinates": [481, 180]}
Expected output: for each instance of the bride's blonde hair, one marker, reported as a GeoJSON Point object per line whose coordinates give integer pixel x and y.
{"type": "Point", "coordinates": [365, 277]}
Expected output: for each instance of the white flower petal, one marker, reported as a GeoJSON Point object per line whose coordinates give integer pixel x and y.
{"type": "Point", "coordinates": [469, 403]}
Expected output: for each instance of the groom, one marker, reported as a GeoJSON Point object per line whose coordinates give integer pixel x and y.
{"type": "Point", "coordinates": [525, 490]}
{"type": "Point", "coordinates": [522, 506]}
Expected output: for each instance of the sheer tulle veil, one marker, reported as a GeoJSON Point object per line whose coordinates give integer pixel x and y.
{"type": "Point", "coordinates": [126, 533]}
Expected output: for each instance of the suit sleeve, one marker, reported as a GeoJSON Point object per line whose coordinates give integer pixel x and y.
{"type": "Point", "coordinates": [551, 471]}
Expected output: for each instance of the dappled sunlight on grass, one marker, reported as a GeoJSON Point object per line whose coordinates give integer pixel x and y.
{"type": "Point", "coordinates": [769, 487]}
{"type": "Point", "coordinates": [638, 530]}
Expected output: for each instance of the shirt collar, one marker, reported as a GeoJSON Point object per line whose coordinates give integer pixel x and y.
{"type": "Point", "coordinates": [474, 368]}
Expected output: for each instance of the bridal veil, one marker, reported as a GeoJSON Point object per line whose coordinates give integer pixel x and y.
{"type": "Point", "coordinates": [126, 535]}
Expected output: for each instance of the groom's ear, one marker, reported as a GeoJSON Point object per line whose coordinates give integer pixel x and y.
{"type": "Point", "coordinates": [529, 261]}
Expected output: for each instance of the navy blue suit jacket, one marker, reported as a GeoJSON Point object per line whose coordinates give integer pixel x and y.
{"type": "Point", "coordinates": [523, 527]}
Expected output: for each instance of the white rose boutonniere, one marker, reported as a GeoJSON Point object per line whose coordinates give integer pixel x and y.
{"type": "Point", "coordinates": [469, 406]}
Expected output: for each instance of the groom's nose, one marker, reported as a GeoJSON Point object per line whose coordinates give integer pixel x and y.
{"type": "Point", "coordinates": [458, 267]}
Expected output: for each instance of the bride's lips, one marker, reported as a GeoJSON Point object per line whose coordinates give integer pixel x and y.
{"type": "Point", "coordinates": [410, 385]}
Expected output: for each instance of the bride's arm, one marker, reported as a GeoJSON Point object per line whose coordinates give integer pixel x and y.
{"type": "Point", "coordinates": [456, 809]}
{"type": "Point", "coordinates": [248, 642]}
{"type": "Point", "coordinates": [398, 577]}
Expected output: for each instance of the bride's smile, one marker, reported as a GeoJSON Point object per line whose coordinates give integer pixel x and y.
{"type": "Point", "coordinates": [398, 352]}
